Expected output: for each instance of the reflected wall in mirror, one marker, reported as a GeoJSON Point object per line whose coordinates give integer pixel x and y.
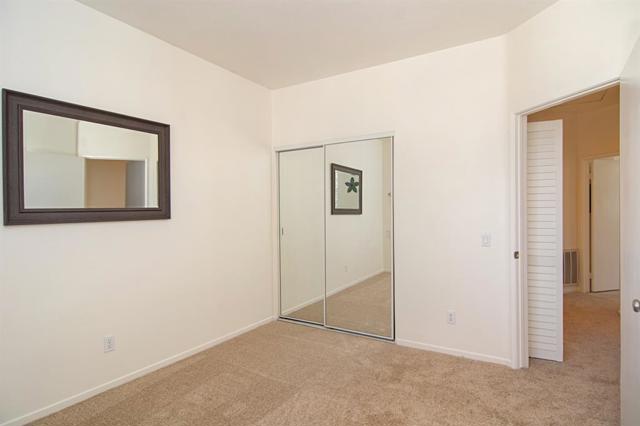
{"type": "Point", "coordinates": [69, 163]}
{"type": "Point", "coordinates": [301, 200]}
{"type": "Point", "coordinates": [72, 163]}
{"type": "Point", "coordinates": [359, 246]}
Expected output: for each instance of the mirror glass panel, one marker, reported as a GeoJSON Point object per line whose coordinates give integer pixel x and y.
{"type": "Point", "coordinates": [301, 198]}
{"type": "Point", "coordinates": [359, 263]}
{"type": "Point", "coordinates": [71, 163]}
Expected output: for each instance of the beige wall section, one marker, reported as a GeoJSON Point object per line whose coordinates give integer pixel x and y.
{"type": "Point", "coordinates": [105, 183]}
{"type": "Point", "coordinates": [451, 112]}
{"type": "Point", "coordinates": [450, 137]}
{"type": "Point", "coordinates": [162, 287]}
{"type": "Point", "coordinates": [591, 128]}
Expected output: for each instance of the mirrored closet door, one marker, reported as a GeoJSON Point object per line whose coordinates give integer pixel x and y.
{"type": "Point", "coordinates": [336, 236]}
{"type": "Point", "coordinates": [301, 197]}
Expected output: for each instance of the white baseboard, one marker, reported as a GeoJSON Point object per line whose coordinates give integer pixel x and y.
{"type": "Point", "coordinates": [67, 402]}
{"type": "Point", "coordinates": [455, 352]}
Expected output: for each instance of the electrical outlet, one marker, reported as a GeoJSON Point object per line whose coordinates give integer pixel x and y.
{"type": "Point", "coordinates": [486, 240]}
{"type": "Point", "coordinates": [109, 343]}
{"type": "Point", "coordinates": [451, 318]}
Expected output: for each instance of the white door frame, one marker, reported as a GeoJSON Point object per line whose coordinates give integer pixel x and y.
{"type": "Point", "coordinates": [519, 299]}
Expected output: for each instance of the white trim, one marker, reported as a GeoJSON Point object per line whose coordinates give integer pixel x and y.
{"type": "Point", "coordinates": [455, 352]}
{"type": "Point", "coordinates": [557, 101]}
{"type": "Point", "coordinates": [275, 234]}
{"type": "Point", "coordinates": [333, 141]}
{"type": "Point", "coordinates": [110, 157]}
{"type": "Point", "coordinates": [57, 406]}
{"type": "Point", "coordinates": [518, 312]}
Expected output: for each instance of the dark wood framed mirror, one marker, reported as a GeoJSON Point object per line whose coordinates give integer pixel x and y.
{"type": "Point", "coordinates": [70, 163]}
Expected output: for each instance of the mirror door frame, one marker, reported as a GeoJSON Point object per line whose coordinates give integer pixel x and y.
{"type": "Point", "coordinates": [277, 238]}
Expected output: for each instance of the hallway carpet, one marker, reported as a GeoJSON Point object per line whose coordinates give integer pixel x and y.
{"type": "Point", "coordinates": [288, 374]}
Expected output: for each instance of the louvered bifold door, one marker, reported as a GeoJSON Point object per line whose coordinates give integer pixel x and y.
{"type": "Point", "coordinates": [544, 239]}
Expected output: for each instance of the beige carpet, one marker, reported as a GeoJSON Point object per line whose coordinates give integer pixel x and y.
{"type": "Point", "coordinates": [289, 374]}
{"type": "Point", "coordinates": [364, 307]}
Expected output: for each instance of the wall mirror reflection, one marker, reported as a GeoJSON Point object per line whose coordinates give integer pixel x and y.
{"type": "Point", "coordinates": [68, 163]}
{"type": "Point", "coordinates": [336, 239]}
{"type": "Point", "coordinates": [72, 163]}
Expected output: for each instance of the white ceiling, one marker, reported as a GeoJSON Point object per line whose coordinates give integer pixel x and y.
{"type": "Point", "coordinates": [278, 43]}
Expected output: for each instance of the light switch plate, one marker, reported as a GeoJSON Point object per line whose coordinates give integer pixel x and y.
{"type": "Point", "coordinates": [485, 240]}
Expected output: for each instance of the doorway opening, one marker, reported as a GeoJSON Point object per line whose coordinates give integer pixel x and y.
{"type": "Point", "coordinates": [569, 224]}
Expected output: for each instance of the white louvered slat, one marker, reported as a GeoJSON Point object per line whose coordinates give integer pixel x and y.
{"type": "Point", "coordinates": [544, 239]}
{"type": "Point", "coordinates": [543, 332]}
{"type": "Point", "coordinates": [542, 297]}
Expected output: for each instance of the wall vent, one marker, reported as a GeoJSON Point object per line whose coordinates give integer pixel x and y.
{"type": "Point", "coordinates": [570, 266]}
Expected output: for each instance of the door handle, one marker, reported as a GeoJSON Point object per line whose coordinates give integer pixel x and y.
{"type": "Point", "coordinates": [636, 305]}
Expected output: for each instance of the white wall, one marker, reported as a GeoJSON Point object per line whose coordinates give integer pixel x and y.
{"type": "Point", "coordinates": [355, 248]}
{"type": "Point", "coordinates": [49, 133]}
{"type": "Point", "coordinates": [629, 238]}
{"type": "Point", "coordinates": [53, 180]}
{"type": "Point", "coordinates": [451, 181]}
{"type": "Point", "coordinates": [161, 287]}
{"type": "Point", "coordinates": [452, 113]}
{"type": "Point", "coordinates": [53, 173]}
{"type": "Point", "coordinates": [568, 47]}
